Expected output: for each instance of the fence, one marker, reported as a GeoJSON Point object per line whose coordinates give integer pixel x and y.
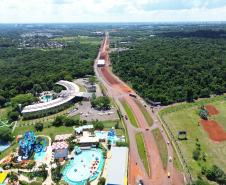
{"type": "Point", "coordinates": [184, 164]}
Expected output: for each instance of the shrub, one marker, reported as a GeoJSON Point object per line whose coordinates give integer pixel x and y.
{"type": "Point", "coordinates": [56, 173]}
{"type": "Point", "coordinates": [39, 126]}
{"type": "Point", "coordinates": [101, 181]}
{"type": "Point", "coordinates": [200, 182]}
{"type": "Point", "coordinates": [101, 103]}
{"type": "Point", "coordinates": [121, 144]}
{"type": "Point", "coordinates": [216, 174]}
{"type": "Point", "coordinates": [59, 120]}
{"type": "Point", "coordinates": [203, 113]}
{"type": "Point", "coordinates": [196, 154]}
{"type": "Point", "coordinates": [117, 125]}
{"type": "Point", "coordinates": [13, 116]}
{"type": "Point", "coordinates": [98, 125]}
{"type": "Point", "coordinates": [5, 134]}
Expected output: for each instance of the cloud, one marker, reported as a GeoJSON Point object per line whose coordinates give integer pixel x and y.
{"type": "Point", "coordinates": [20, 11]}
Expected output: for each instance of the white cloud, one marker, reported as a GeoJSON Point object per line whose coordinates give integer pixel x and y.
{"type": "Point", "coordinates": [14, 11]}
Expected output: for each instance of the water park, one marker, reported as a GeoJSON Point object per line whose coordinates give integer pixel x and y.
{"type": "Point", "coordinates": [86, 165]}
{"type": "Point", "coordinates": [4, 144]}
{"type": "Point", "coordinates": [29, 144]}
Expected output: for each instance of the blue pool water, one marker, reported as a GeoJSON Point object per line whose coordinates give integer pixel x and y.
{"type": "Point", "coordinates": [104, 135]}
{"type": "Point", "coordinates": [81, 168]}
{"type": "Point", "coordinates": [40, 156]}
{"type": "Point", "coordinates": [47, 98]}
{"type": "Point", "coordinates": [4, 146]}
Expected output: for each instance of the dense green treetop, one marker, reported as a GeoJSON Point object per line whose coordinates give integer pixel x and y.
{"type": "Point", "coordinates": [169, 69]}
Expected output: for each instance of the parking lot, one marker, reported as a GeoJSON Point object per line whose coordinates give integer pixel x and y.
{"type": "Point", "coordinates": [89, 114]}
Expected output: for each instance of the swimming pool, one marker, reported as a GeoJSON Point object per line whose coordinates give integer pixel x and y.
{"type": "Point", "coordinates": [84, 166]}
{"type": "Point", "coordinates": [46, 98]}
{"type": "Point", "coordinates": [104, 135]}
{"type": "Point", "coordinates": [4, 146]}
{"type": "Point", "coordinates": [39, 156]}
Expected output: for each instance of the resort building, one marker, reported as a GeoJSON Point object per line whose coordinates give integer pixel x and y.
{"type": "Point", "coordinates": [64, 99]}
{"type": "Point", "coordinates": [117, 169]}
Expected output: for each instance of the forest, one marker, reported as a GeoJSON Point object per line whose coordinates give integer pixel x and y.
{"type": "Point", "coordinates": [174, 67]}
{"type": "Point", "coordinates": [30, 70]}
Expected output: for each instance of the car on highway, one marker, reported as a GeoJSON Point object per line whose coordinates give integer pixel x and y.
{"type": "Point", "coordinates": [140, 182]}
{"type": "Point", "coordinates": [126, 117]}
{"type": "Point", "coordinates": [168, 174]}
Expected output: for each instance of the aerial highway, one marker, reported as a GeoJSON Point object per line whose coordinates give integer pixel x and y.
{"type": "Point", "coordinates": [119, 90]}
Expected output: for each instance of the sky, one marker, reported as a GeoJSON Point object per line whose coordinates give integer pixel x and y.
{"type": "Point", "coordinates": [74, 11]}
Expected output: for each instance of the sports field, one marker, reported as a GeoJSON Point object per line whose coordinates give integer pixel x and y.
{"type": "Point", "coordinates": [185, 117]}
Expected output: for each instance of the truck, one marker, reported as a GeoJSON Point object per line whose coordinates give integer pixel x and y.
{"type": "Point", "coordinates": [133, 95]}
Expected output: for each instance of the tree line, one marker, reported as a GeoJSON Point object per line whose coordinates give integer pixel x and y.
{"type": "Point", "coordinates": [173, 69]}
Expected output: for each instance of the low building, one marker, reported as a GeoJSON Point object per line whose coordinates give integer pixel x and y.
{"type": "Point", "coordinates": [91, 88]}
{"type": "Point", "coordinates": [117, 167]}
{"type": "Point", "coordinates": [100, 63]}
{"type": "Point", "coordinates": [61, 154]}
{"type": "Point", "coordinates": [88, 141]}
{"type": "Point", "coordinates": [81, 129]}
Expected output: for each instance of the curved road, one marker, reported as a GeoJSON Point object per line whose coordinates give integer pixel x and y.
{"type": "Point", "coordinates": [117, 89]}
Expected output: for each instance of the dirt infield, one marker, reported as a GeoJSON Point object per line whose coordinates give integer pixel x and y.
{"type": "Point", "coordinates": [211, 110]}
{"type": "Point", "coordinates": [214, 130]}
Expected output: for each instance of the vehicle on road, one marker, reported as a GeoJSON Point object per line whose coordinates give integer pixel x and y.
{"type": "Point", "coordinates": [140, 182]}
{"type": "Point", "coordinates": [126, 117]}
{"type": "Point", "coordinates": [168, 174]}
{"type": "Point", "coordinates": [132, 95]}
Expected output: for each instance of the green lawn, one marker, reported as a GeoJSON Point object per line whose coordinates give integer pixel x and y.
{"type": "Point", "coordinates": [111, 123]}
{"type": "Point", "coordinates": [81, 39]}
{"type": "Point", "coordinates": [220, 118]}
{"type": "Point", "coordinates": [145, 113]}
{"type": "Point", "coordinates": [4, 113]}
{"type": "Point", "coordinates": [162, 147]}
{"type": "Point", "coordinates": [185, 117]}
{"type": "Point", "coordinates": [8, 150]}
{"type": "Point", "coordinates": [129, 113]}
{"type": "Point", "coordinates": [48, 131]}
{"type": "Point", "coordinates": [142, 151]}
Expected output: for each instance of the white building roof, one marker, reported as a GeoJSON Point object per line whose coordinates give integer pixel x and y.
{"type": "Point", "coordinates": [80, 129]}
{"type": "Point", "coordinates": [85, 139]}
{"type": "Point", "coordinates": [71, 91]}
{"type": "Point", "coordinates": [117, 170]}
{"type": "Point", "coordinates": [101, 62]}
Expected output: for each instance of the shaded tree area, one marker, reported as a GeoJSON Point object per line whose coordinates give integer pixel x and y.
{"type": "Point", "coordinates": [173, 69]}
{"type": "Point", "coordinates": [35, 70]}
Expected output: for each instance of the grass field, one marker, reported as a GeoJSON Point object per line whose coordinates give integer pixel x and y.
{"type": "Point", "coordinates": [161, 146]}
{"type": "Point", "coordinates": [129, 113]}
{"type": "Point", "coordinates": [49, 131]}
{"type": "Point", "coordinates": [4, 113]}
{"type": "Point", "coordinates": [185, 117]}
{"type": "Point", "coordinates": [111, 123]}
{"type": "Point", "coordinates": [142, 152]}
{"type": "Point", "coordinates": [145, 113]}
{"type": "Point", "coordinates": [81, 39]}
